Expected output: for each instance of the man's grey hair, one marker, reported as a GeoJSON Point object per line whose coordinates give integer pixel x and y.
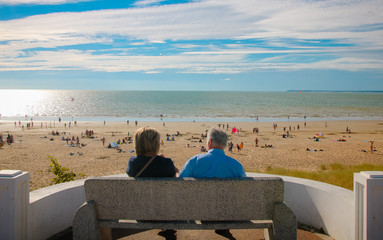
{"type": "Point", "coordinates": [218, 137]}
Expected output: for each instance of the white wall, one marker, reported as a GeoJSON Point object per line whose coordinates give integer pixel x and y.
{"type": "Point", "coordinates": [52, 208]}
{"type": "Point", "coordinates": [320, 205]}
{"type": "Point", "coordinates": [14, 193]}
{"type": "Point", "coordinates": [368, 189]}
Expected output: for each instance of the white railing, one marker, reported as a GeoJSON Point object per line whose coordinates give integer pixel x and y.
{"type": "Point", "coordinates": [321, 205]}
{"type": "Point", "coordinates": [50, 210]}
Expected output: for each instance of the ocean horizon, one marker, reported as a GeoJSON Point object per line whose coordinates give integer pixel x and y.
{"type": "Point", "coordinates": [202, 106]}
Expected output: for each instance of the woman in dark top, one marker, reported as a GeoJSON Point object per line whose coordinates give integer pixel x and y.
{"type": "Point", "coordinates": [148, 164]}
{"type": "Point", "coordinates": [147, 145]}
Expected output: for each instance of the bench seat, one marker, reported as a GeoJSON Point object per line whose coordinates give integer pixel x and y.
{"type": "Point", "coordinates": [192, 224]}
{"type": "Point", "coordinates": [184, 203]}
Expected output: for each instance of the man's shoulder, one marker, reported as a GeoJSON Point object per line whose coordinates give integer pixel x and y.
{"type": "Point", "coordinates": [233, 161]}
{"type": "Point", "coordinates": [198, 156]}
{"type": "Point", "coordinates": [230, 158]}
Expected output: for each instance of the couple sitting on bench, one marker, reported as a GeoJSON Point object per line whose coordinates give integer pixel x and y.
{"type": "Point", "coordinates": [212, 192]}
{"type": "Point", "coordinates": [213, 164]}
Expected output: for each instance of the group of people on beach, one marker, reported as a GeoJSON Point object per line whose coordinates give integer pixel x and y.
{"type": "Point", "coordinates": [211, 164]}
{"type": "Point", "coordinates": [238, 147]}
{"type": "Point", "coordinates": [88, 133]}
{"type": "Point", "coordinates": [70, 141]}
{"type": "Point", "coordinates": [73, 142]}
{"type": "Point", "coordinates": [223, 126]}
{"type": "Point", "coordinates": [31, 124]}
{"type": "Point", "coordinates": [8, 140]}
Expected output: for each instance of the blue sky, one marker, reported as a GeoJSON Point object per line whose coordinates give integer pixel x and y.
{"type": "Point", "coordinates": [240, 45]}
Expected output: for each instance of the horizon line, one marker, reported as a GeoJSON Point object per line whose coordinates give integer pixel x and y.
{"type": "Point", "coordinates": [170, 90]}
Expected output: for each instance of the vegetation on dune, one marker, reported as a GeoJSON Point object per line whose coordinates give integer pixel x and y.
{"type": "Point", "coordinates": [335, 174]}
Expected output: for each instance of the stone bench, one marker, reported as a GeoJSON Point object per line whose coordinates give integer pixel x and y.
{"type": "Point", "coordinates": [184, 203]}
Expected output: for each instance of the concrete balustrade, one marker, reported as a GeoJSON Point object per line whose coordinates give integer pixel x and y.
{"type": "Point", "coordinates": [14, 199]}
{"type": "Point", "coordinates": [368, 187]}
{"type": "Point", "coordinates": [50, 210]}
{"type": "Point", "coordinates": [321, 205]}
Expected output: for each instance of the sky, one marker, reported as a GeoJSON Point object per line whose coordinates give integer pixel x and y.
{"type": "Point", "coordinates": [215, 45]}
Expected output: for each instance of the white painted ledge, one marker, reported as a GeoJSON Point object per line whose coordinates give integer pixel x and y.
{"type": "Point", "coordinates": [321, 205]}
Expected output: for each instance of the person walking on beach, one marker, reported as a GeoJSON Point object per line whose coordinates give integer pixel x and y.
{"type": "Point", "coordinates": [214, 163]}
{"type": "Point", "coordinates": [372, 147]}
{"type": "Point", "coordinates": [231, 145]}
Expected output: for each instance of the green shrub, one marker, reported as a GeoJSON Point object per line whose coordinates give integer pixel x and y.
{"type": "Point", "coordinates": [62, 173]}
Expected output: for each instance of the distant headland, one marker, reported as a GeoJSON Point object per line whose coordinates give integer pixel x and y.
{"type": "Point", "coordinates": [341, 91]}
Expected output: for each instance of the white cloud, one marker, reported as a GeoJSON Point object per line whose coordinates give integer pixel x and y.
{"type": "Point", "coordinates": [209, 20]}
{"type": "Point", "coordinates": [153, 41]}
{"type": "Point", "coordinates": [85, 60]}
{"type": "Point", "coordinates": [40, 2]}
{"type": "Point", "coordinates": [303, 22]}
{"type": "Point", "coordinates": [213, 64]}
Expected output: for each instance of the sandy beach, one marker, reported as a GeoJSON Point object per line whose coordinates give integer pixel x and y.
{"type": "Point", "coordinates": [32, 146]}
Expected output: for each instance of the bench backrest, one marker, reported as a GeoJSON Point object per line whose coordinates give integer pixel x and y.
{"type": "Point", "coordinates": [184, 198]}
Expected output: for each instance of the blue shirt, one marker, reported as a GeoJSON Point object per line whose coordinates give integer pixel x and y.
{"type": "Point", "coordinates": [212, 164]}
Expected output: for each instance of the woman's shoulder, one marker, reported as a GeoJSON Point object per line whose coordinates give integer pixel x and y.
{"type": "Point", "coordinates": [133, 158]}
{"type": "Point", "coordinates": [162, 158]}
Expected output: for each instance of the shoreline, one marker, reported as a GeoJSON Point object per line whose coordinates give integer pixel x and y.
{"type": "Point", "coordinates": [32, 146]}
{"type": "Point", "coordinates": [117, 119]}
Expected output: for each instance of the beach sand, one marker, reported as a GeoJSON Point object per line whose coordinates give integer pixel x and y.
{"type": "Point", "coordinates": [32, 147]}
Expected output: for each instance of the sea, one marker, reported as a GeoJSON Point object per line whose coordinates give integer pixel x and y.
{"type": "Point", "coordinates": [187, 106]}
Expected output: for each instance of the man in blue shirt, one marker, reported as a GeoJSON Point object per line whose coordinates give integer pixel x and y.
{"type": "Point", "coordinates": [214, 163]}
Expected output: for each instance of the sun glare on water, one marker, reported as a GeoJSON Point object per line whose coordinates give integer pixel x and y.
{"type": "Point", "coordinates": [20, 102]}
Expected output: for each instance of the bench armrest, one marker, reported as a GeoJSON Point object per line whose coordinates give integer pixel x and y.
{"type": "Point", "coordinates": [284, 223]}
{"type": "Point", "coordinates": [85, 223]}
